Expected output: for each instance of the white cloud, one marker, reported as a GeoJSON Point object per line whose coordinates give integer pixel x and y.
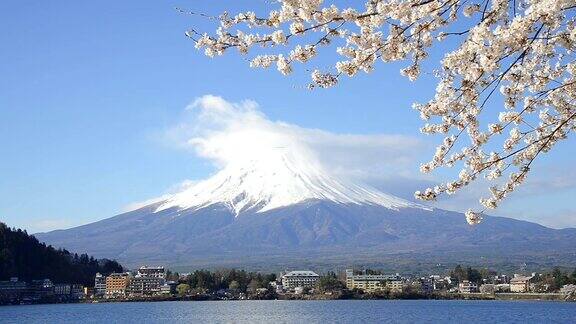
{"type": "Point", "coordinates": [225, 132]}
{"type": "Point", "coordinates": [167, 193]}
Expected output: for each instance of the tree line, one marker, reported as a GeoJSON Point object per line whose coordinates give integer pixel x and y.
{"type": "Point", "coordinates": [551, 280]}
{"type": "Point", "coordinates": [23, 256]}
{"type": "Point", "coordinates": [202, 281]}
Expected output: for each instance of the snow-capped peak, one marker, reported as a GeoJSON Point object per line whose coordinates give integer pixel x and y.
{"type": "Point", "coordinates": [279, 179]}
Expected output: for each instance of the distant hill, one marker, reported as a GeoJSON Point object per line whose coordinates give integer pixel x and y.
{"type": "Point", "coordinates": [316, 234]}
{"type": "Point", "coordinates": [23, 256]}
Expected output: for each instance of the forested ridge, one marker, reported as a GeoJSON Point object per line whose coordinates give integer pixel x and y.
{"type": "Point", "coordinates": [23, 256]}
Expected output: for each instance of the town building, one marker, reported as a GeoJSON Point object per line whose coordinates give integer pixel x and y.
{"type": "Point", "coordinates": [145, 286]}
{"type": "Point", "coordinates": [568, 289]}
{"type": "Point", "coordinates": [488, 288]}
{"type": "Point", "coordinates": [152, 272]}
{"type": "Point", "coordinates": [66, 292]}
{"type": "Point", "coordinates": [99, 285]}
{"type": "Point", "coordinates": [40, 289]}
{"type": "Point", "coordinates": [12, 290]}
{"type": "Point", "coordinates": [169, 288]}
{"type": "Point", "coordinates": [395, 285]}
{"type": "Point", "coordinates": [62, 289]}
{"type": "Point", "coordinates": [15, 290]}
{"type": "Point", "coordinates": [89, 292]}
{"type": "Point", "coordinates": [426, 286]}
{"type": "Point", "coordinates": [503, 288]}
{"type": "Point", "coordinates": [277, 286]}
{"type": "Point", "coordinates": [467, 287]}
{"type": "Point", "coordinates": [304, 279]}
{"type": "Point", "coordinates": [117, 284]}
{"type": "Point", "coordinates": [520, 284]}
{"type": "Point", "coordinates": [501, 279]}
{"type": "Point", "coordinates": [440, 283]}
{"type": "Point", "coordinates": [147, 281]}
{"type": "Point", "coordinates": [370, 282]}
{"type": "Point", "coordinates": [77, 291]}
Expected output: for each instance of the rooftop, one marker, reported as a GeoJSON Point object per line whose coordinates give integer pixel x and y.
{"type": "Point", "coordinates": [520, 279]}
{"type": "Point", "coordinates": [301, 273]}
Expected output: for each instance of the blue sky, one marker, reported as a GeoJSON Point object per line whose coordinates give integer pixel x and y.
{"type": "Point", "coordinates": [89, 90]}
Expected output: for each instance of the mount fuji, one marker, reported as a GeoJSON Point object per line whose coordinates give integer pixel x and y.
{"type": "Point", "coordinates": [281, 209]}
{"type": "Point", "coordinates": [279, 179]}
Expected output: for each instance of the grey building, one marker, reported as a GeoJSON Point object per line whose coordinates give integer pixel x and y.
{"type": "Point", "coordinates": [99, 285]}
{"type": "Point", "coordinates": [145, 286]}
{"type": "Point", "coordinates": [305, 279]}
{"type": "Point", "coordinates": [169, 288]}
{"type": "Point", "coordinates": [148, 281]}
{"type": "Point", "coordinates": [62, 290]}
{"type": "Point", "coordinates": [12, 290]}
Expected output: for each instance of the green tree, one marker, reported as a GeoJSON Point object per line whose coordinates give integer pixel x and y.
{"type": "Point", "coordinates": [23, 256]}
{"type": "Point", "coordinates": [560, 278]}
{"type": "Point", "coordinates": [234, 285]}
{"type": "Point", "coordinates": [459, 273]}
{"type": "Point", "coordinates": [253, 285]}
{"type": "Point", "coordinates": [329, 282]}
{"type": "Point", "coordinates": [183, 289]}
{"type": "Point", "coordinates": [473, 275]}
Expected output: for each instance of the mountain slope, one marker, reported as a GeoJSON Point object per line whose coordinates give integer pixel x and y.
{"type": "Point", "coordinates": [283, 208]}
{"type": "Point", "coordinates": [308, 231]}
{"type": "Point", "coordinates": [277, 180]}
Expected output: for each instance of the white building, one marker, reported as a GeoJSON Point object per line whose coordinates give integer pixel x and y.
{"type": "Point", "coordinates": [520, 283]}
{"type": "Point", "coordinates": [488, 288]}
{"type": "Point", "coordinates": [304, 279]}
{"type": "Point", "coordinates": [147, 281]}
{"type": "Point", "coordinates": [503, 287]}
{"type": "Point", "coordinates": [568, 290]}
{"type": "Point", "coordinates": [466, 287]}
{"type": "Point", "coordinates": [396, 285]}
{"type": "Point", "coordinates": [151, 272]}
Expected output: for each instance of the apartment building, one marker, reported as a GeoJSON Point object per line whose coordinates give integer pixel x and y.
{"type": "Point", "coordinates": [305, 279]}
{"type": "Point", "coordinates": [99, 285]}
{"type": "Point", "coordinates": [466, 287]}
{"type": "Point", "coordinates": [373, 282]}
{"type": "Point", "coordinates": [520, 284]}
{"type": "Point", "coordinates": [117, 284]}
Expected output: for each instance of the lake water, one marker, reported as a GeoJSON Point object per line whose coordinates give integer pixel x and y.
{"type": "Point", "coordinates": [345, 311]}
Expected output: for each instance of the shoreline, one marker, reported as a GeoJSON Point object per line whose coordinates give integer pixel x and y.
{"type": "Point", "coordinates": [471, 296]}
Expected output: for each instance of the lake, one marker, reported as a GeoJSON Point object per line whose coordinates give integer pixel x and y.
{"type": "Point", "coordinates": [338, 311]}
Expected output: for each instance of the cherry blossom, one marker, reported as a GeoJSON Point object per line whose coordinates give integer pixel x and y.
{"type": "Point", "coordinates": [518, 51]}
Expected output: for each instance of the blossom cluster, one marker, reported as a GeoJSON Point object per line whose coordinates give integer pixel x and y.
{"type": "Point", "coordinates": [519, 51]}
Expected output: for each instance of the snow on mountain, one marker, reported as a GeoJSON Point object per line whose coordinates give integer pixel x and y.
{"type": "Point", "coordinates": [277, 179]}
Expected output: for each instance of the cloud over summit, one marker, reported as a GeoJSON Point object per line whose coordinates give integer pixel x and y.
{"type": "Point", "coordinates": [226, 132]}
